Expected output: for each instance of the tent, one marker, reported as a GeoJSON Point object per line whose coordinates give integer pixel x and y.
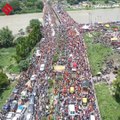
{"type": "Point", "coordinates": [20, 108]}
{"type": "Point", "coordinates": [84, 100]}
{"type": "Point", "coordinates": [59, 68]}
{"type": "Point", "coordinates": [86, 27]}
{"type": "Point", "coordinates": [107, 25]}
{"type": "Point", "coordinates": [118, 48]}
{"type": "Point", "coordinates": [99, 73]}
{"type": "Point", "coordinates": [72, 89]}
{"type": "Point", "coordinates": [114, 39]}
{"type": "Point", "coordinates": [71, 55]}
{"type": "Point", "coordinates": [33, 77]}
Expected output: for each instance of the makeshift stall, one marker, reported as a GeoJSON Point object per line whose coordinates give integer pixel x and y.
{"type": "Point", "coordinates": [59, 68]}
{"type": "Point", "coordinates": [84, 101]}
{"type": "Point", "coordinates": [86, 27]}
{"type": "Point", "coordinates": [72, 90]}
{"type": "Point", "coordinates": [107, 25]}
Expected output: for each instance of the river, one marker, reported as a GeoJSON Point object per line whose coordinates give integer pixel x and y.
{"type": "Point", "coordinates": [17, 22]}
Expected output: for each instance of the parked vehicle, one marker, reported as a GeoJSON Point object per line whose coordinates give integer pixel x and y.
{"type": "Point", "coordinates": [30, 109]}
{"type": "Point", "coordinates": [32, 100]}
{"type": "Point", "coordinates": [14, 106]}
{"type": "Point", "coordinates": [29, 116]}
{"type": "Point", "coordinates": [10, 115]}
{"type": "Point", "coordinates": [42, 67]}
{"type": "Point", "coordinates": [71, 110]}
{"type": "Point", "coordinates": [6, 107]}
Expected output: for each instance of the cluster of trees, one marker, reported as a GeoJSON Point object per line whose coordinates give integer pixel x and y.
{"type": "Point", "coordinates": [4, 81]}
{"type": "Point", "coordinates": [24, 6]}
{"type": "Point", "coordinates": [6, 37]}
{"type": "Point", "coordinates": [26, 44]}
{"type": "Point", "coordinates": [23, 45]}
{"type": "Point", "coordinates": [72, 2]}
{"type": "Point", "coordinates": [116, 86]}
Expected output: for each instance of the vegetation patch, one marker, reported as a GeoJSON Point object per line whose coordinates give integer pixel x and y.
{"type": "Point", "coordinates": [4, 95]}
{"type": "Point", "coordinates": [97, 54]}
{"type": "Point", "coordinates": [109, 108]}
{"type": "Point", "coordinates": [7, 61]}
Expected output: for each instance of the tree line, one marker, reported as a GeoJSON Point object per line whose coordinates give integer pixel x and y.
{"type": "Point", "coordinates": [26, 44]}
{"type": "Point", "coordinates": [24, 6]}
{"type": "Point", "coordinates": [73, 2]}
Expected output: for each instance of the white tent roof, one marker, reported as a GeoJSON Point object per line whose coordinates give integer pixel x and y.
{"type": "Point", "coordinates": [85, 26]}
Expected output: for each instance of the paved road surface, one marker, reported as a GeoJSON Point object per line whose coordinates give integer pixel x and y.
{"type": "Point", "coordinates": [16, 22]}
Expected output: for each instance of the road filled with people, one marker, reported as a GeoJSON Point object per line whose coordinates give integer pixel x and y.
{"type": "Point", "coordinates": [29, 99]}
{"type": "Point", "coordinates": [77, 98]}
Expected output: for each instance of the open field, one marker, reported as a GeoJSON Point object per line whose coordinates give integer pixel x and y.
{"type": "Point", "coordinates": [6, 93]}
{"type": "Point", "coordinates": [97, 53]}
{"type": "Point", "coordinates": [16, 22]}
{"type": "Point", "coordinates": [109, 108]}
{"type": "Point", "coordinates": [7, 62]}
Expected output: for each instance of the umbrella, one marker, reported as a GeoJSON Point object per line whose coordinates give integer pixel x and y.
{"type": "Point", "coordinates": [72, 89]}
{"type": "Point", "coordinates": [118, 48]}
{"type": "Point", "coordinates": [74, 64]}
{"type": "Point", "coordinates": [114, 39]}
{"type": "Point", "coordinates": [107, 25]}
{"type": "Point", "coordinates": [84, 100]}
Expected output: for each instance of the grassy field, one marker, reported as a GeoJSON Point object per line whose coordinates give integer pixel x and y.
{"type": "Point", "coordinates": [97, 53]}
{"type": "Point", "coordinates": [6, 93]}
{"type": "Point", "coordinates": [7, 62]}
{"type": "Point", "coordinates": [109, 108]}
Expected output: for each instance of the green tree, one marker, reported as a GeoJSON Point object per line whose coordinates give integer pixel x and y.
{"type": "Point", "coordinates": [3, 80]}
{"type": "Point", "coordinates": [26, 44]}
{"type": "Point", "coordinates": [35, 23]}
{"type": "Point", "coordinates": [6, 37]}
{"type": "Point", "coordinates": [106, 1]}
{"type": "Point", "coordinates": [39, 5]}
{"type": "Point", "coordinates": [23, 65]}
{"type": "Point", "coordinates": [22, 49]}
{"type": "Point", "coordinates": [116, 85]}
{"type": "Point", "coordinates": [17, 40]}
{"type": "Point", "coordinates": [29, 4]}
{"type": "Point", "coordinates": [15, 4]}
{"type": "Point", "coordinates": [72, 2]}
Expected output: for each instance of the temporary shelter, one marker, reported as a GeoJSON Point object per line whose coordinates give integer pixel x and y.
{"type": "Point", "coordinates": [86, 27]}
{"type": "Point", "coordinates": [59, 68]}
{"type": "Point", "coordinates": [72, 90]}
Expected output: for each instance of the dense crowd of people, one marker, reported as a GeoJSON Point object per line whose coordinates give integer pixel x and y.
{"type": "Point", "coordinates": [77, 57]}
{"type": "Point", "coordinates": [35, 79]}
